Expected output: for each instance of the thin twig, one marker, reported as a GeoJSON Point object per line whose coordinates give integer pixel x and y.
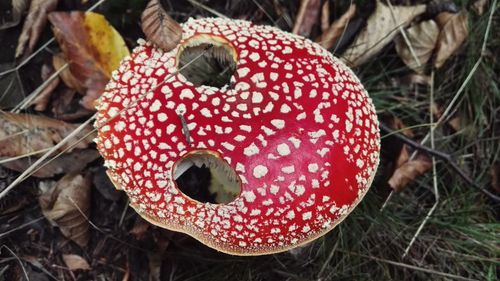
{"type": "Point", "coordinates": [124, 212]}
{"type": "Point", "coordinates": [185, 129]}
{"type": "Point", "coordinates": [412, 267]}
{"type": "Point", "coordinates": [27, 101]}
{"type": "Point", "coordinates": [434, 174]}
{"type": "Point", "coordinates": [265, 12]}
{"type": "Point", "coordinates": [10, 159]}
{"type": "Point", "coordinates": [462, 87]}
{"type": "Point", "coordinates": [18, 259]}
{"type": "Point", "coordinates": [405, 37]}
{"type": "Point", "coordinates": [2, 235]}
{"type": "Point", "coordinates": [204, 7]}
{"type": "Point", "coordinates": [441, 155]}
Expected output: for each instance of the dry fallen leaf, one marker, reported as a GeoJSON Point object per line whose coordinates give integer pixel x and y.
{"type": "Point", "coordinates": [66, 163]}
{"type": "Point", "coordinates": [66, 204]}
{"type": "Point", "coordinates": [453, 33]}
{"type": "Point", "coordinates": [409, 172]}
{"type": "Point", "coordinates": [403, 156]}
{"type": "Point", "coordinates": [398, 125]}
{"type": "Point", "coordinates": [325, 16]}
{"type": "Point", "coordinates": [480, 6]}
{"type": "Point", "coordinates": [21, 134]}
{"type": "Point", "coordinates": [159, 27]}
{"type": "Point", "coordinates": [58, 61]}
{"type": "Point", "coordinates": [330, 36]}
{"type": "Point", "coordinates": [34, 25]}
{"type": "Point", "coordinates": [307, 16]}
{"type": "Point", "coordinates": [382, 26]}
{"type": "Point", "coordinates": [75, 262]}
{"type": "Point", "coordinates": [422, 38]}
{"type": "Point", "coordinates": [93, 49]}
{"type": "Point", "coordinates": [42, 100]}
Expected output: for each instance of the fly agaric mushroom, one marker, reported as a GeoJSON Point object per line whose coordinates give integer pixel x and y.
{"type": "Point", "coordinates": [287, 132]}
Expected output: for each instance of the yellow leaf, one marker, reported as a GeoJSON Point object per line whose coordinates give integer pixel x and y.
{"type": "Point", "coordinates": [93, 49]}
{"type": "Point", "coordinates": [111, 48]}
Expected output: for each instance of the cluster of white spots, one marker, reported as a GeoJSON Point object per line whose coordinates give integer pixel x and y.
{"type": "Point", "coordinates": [288, 121]}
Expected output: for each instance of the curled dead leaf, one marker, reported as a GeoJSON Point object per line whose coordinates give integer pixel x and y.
{"type": "Point", "coordinates": [422, 38]}
{"type": "Point", "coordinates": [159, 27]}
{"type": "Point", "coordinates": [67, 205]}
{"type": "Point", "coordinates": [42, 100]}
{"type": "Point", "coordinates": [409, 172]}
{"type": "Point", "coordinates": [403, 156]}
{"type": "Point", "coordinates": [330, 36]}
{"type": "Point", "coordinates": [59, 62]}
{"type": "Point", "coordinates": [306, 17]}
{"type": "Point", "coordinates": [93, 49]}
{"type": "Point", "coordinates": [33, 25]}
{"type": "Point", "coordinates": [382, 26]}
{"type": "Point", "coordinates": [453, 33]}
{"type": "Point", "coordinates": [22, 134]}
{"type": "Point", "coordinates": [75, 262]}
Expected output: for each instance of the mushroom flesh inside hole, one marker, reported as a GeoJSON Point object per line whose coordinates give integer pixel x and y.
{"type": "Point", "coordinates": [207, 60]}
{"type": "Point", "coordinates": [207, 178]}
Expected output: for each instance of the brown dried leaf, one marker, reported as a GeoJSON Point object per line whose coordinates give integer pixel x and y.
{"type": "Point", "coordinates": [455, 123]}
{"type": "Point", "coordinates": [422, 38]}
{"type": "Point", "coordinates": [306, 17]}
{"type": "Point", "coordinates": [75, 262]}
{"type": "Point", "coordinates": [42, 100]}
{"type": "Point", "coordinates": [403, 156]}
{"type": "Point", "coordinates": [330, 36]}
{"type": "Point", "coordinates": [382, 26]}
{"type": "Point", "coordinates": [479, 6]}
{"type": "Point", "coordinates": [93, 49]}
{"type": "Point", "coordinates": [23, 133]}
{"type": "Point", "coordinates": [398, 125]}
{"type": "Point", "coordinates": [409, 172]}
{"type": "Point", "coordinates": [34, 25]}
{"type": "Point", "coordinates": [72, 162]}
{"type": "Point", "coordinates": [325, 16]}
{"type": "Point", "coordinates": [159, 27]}
{"type": "Point", "coordinates": [58, 61]}
{"type": "Point", "coordinates": [453, 33]}
{"type": "Point", "coordinates": [67, 205]}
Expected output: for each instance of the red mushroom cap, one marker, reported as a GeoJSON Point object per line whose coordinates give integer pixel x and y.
{"type": "Point", "coordinates": [297, 127]}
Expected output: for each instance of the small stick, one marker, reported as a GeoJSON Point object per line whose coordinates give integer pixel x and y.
{"type": "Point", "coordinates": [185, 129]}
{"type": "Point", "coordinates": [441, 155]}
{"type": "Point", "coordinates": [434, 175]}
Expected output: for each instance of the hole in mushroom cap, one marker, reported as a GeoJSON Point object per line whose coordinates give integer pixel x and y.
{"type": "Point", "coordinates": [207, 60]}
{"type": "Point", "coordinates": [207, 178]}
